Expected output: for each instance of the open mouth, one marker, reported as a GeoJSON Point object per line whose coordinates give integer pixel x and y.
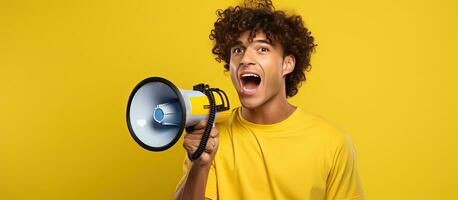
{"type": "Point", "coordinates": [250, 81]}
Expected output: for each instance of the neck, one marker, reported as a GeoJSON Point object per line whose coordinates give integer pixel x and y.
{"type": "Point", "coordinates": [273, 111]}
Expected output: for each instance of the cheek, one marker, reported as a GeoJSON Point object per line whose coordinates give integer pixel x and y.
{"type": "Point", "coordinates": [273, 72]}
{"type": "Point", "coordinates": [233, 78]}
{"type": "Point", "coordinates": [232, 65]}
{"type": "Point", "coordinates": [274, 80]}
{"type": "Point", "coordinates": [233, 73]}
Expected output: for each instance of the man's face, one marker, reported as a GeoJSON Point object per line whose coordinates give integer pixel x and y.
{"type": "Point", "coordinates": [257, 70]}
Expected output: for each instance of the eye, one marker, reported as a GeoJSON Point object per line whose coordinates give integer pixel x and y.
{"type": "Point", "coordinates": [237, 50]}
{"type": "Point", "coordinates": [263, 49]}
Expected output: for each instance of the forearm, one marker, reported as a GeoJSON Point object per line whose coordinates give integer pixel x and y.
{"type": "Point", "coordinates": [193, 187]}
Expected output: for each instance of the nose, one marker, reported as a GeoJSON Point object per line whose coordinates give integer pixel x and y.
{"type": "Point", "coordinates": [247, 59]}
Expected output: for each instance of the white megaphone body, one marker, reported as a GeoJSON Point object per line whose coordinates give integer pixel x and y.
{"type": "Point", "coordinates": [158, 112]}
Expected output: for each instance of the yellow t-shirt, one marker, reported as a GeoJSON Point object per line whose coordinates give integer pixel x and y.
{"type": "Point", "coordinates": [301, 157]}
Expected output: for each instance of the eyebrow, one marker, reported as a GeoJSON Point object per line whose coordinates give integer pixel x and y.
{"type": "Point", "coordinates": [238, 42]}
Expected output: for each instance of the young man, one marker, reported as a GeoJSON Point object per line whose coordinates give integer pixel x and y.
{"type": "Point", "coordinates": [268, 149]}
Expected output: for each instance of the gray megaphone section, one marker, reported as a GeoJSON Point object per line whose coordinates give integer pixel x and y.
{"type": "Point", "coordinates": [168, 114]}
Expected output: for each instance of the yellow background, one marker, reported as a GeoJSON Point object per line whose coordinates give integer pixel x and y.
{"type": "Point", "coordinates": [386, 71]}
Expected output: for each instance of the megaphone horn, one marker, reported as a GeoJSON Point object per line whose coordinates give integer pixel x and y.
{"type": "Point", "coordinates": [158, 112]}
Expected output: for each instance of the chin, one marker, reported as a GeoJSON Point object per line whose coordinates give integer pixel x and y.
{"type": "Point", "coordinates": [250, 103]}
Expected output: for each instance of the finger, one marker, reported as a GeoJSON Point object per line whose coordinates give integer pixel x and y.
{"type": "Point", "coordinates": [192, 141]}
{"type": "Point", "coordinates": [214, 133]}
{"type": "Point", "coordinates": [201, 124]}
{"type": "Point", "coordinates": [197, 131]}
{"type": "Point", "coordinates": [210, 146]}
{"type": "Point", "coordinates": [189, 148]}
{"type": "Point", "coordinates": [192, 136]}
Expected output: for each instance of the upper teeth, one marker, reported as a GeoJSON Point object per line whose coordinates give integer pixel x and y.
{"type": "Point", "coordinates": [245, 75]}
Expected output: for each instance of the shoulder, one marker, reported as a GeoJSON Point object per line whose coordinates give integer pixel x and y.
{"type": "Point", "coordinates": [330, 133]}
{"type": "Point", "coordinates": [335, 141]}
{"type": "Point", "coordinates": [339, 142]}
{"type": "Point", "coordinates": [322, 125]}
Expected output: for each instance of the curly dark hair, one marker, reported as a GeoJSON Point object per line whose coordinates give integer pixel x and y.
{"type": "Point", "coordinates": [256, 16]}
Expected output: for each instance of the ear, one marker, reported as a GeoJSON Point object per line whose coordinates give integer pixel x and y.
{"type": "Point", "coordinates": [288, 64]}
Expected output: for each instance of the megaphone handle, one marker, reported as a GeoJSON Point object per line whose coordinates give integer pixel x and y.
{"type": "Point", "coordinates": [208, 128]}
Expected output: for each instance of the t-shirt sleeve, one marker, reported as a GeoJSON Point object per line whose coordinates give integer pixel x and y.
{"type": "Point", "coordinates": [343, 181]}
{"type": "Point", "coordinates": [210, 190]}
{"type": "Point", "coordinates": [185, 169]}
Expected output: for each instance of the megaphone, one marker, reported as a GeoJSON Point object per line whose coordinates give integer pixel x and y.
{"type": "Point", "coordinates": [158, 112]}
